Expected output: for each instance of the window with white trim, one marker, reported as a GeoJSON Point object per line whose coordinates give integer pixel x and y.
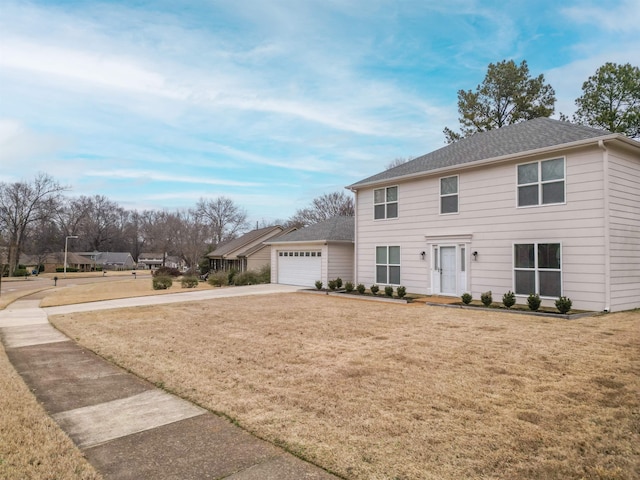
{"type": "Point", "coordinates": [385, 203]}
{"type": "Point", "coordinates": [538, 269]}
{"type": "Point", "coordinates": [541, 183]}
{"type": "Point", "coordinates": [449, 195]}
{"type": "Point", "coordinates": [388, 265]}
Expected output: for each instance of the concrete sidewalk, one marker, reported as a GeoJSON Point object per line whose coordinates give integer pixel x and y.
{"type": "Point", "coordinates": [127, 428]}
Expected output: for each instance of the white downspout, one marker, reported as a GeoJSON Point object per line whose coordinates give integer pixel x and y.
{"type": "Point", "coordinates": [607, 228]}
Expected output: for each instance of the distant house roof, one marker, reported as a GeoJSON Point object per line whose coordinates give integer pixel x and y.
{"type": "Point", "coordinates": [262, 245]}
{"type": "Point", "coordinates": [519, 138]}
{"type": "Point", "coordinates": [150, 256]}
{"type": "Point", "coordinates": [55, 258]}
{"type": "Point", "coordinates": [109, 258]}
{"type": "Point", "coordinates": [336, 229]}
{"type": "Point", "coordinates": [247, 240]}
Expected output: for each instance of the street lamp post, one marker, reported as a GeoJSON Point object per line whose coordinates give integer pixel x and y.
{"type": "Point", "coordinates": [65, 252]}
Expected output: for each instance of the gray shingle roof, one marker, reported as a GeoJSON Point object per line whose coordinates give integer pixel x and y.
{"type": "Point", "coordinates": [520, 137]}
{"type": "Point", "coordinates": [336, 229]}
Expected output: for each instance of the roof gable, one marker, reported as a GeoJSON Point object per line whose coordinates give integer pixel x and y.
{"type": "Point", "coordinates": [336, 229]}
{"type": "Point", "coordinates": [536, 134]}
{"type": "Point", "coordinates": [246, 239]}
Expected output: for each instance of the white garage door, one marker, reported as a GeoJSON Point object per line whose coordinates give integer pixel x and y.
{"type": "Point", "coordinates": [299, 267]}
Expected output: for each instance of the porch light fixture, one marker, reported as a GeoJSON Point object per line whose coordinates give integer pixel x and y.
{"type": "Point", "coordinates": [423, 254]}
{"type": "Point", "coordinates": [475, 256]}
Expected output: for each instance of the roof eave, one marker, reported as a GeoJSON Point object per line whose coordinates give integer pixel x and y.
{"type": "Point", "coordinates": [503, 158]}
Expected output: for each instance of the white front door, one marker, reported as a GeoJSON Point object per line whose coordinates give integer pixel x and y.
{"type": "Point", "coordinates": [448, 271]}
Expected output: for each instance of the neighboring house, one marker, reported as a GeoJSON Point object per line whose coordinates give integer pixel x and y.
{"type": "Point", "coordinates": [541, 206]}
{"type": "Point", "coordinates": [176, 262]}
{"type": "Point", "coordinates": [150, 261]}
{"type": "Point", "coordinates": [111, 260]}
{"type": "Point", "coordinates": [55, 260]}
{"type": "Point", "coordinates": [245, 252]}
{"type": "Point", "coordinates": [323, 251]}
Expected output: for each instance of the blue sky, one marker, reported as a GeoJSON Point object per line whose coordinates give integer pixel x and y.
{"type": "Point", "coordinates": [271, 103]}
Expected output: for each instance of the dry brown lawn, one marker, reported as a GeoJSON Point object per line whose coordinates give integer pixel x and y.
{"type": "Point", "coordinates": [31, 444]}
{"type": "Point", "coordinates": [387, 391]}
{"type": "Point", "coordinates": [126, 288]}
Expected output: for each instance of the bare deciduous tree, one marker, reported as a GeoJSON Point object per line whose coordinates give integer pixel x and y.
{"type": "Point", "coordinates": [324, 207]}
{"type": "Point", "coordinates": [21, 205]}
{"type": "Point", "coordinates": [223, 217]}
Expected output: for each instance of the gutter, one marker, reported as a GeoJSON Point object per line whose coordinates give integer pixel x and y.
{"type": "Point", "coordinates": [607, 228]}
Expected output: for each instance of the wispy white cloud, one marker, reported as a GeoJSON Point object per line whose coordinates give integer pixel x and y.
{"type": "Point", "coordinates": [150, 175]}
{"type": "Point", "coordinates": [622, 16]}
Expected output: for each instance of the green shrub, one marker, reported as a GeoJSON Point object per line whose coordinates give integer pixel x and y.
{"type": "Point", "coordinates": [218, 279]}
{"type": "Point", "coordinates": [401, 291]}
{"type": "Point", "coordinates": [534, 301]}
{"type": "Point", "coordinates": [189, 282]}
{"type": "Point", "coordinates": [23, 272]}
{"type": "Point", "coordinates": [466, 298]}
{"type": "Point", "coordinates": [338, 282]}
{"type": "Point", "coordinates": [162, 283]}
{"type": "Point", "coordinates": [563, 304]}
{"type": "Point", "coordinates": [246, 278]}
{"type": "Point", "coordinates": [264, 274]}
{"type": "Point", "coordinates": [360, 288]}
{"type": "Point", "coordinates": [319, 284]}
{"type": "Point", "coordinates": [348, 287]}
{"type": "Point", "coordinates": [332, 285]}
{"type": "Point", "coordinates": [374, 289]}
{"type": "Point", "coordinates": [509, 299]}
{"type": "Point", "coordinates": [388, 291]}
{"type": "Point", "coordinates": [231, 276]}
{"type": "Point", "coordinates": [165, 272]}
{"type": "Point", "coordinates": [486, 298]}
{"type": "Point", "coordinates": [69, 269]}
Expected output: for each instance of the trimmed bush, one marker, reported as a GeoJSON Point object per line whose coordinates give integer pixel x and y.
{"type": "Point", "coordinates": [466, 298]}
{"type": "Point", "coordinates": [401, 291]}
{"type": "Point", "coordinates": [218, 279]}
{"type": "Point", "coordinates": [534, 302]}
{"type": "Point", "coordinates": [231, 274]}
{"type": "Point", "coordinates": [189, 282]}
{"type": "Point", "coordinates": [348, 287]}
{"type": "Point", "coordinates": [318, 284]}
{"type": "Point", "coordinates": [164, 272]}
{"type": "Point", "coordinates": [69, 269]}
{"type": "Point", "coordinates": [374, 289]}
{"type": "Point", "coordinates": [338, 282]}
{"type": "Point", "coordinates": [162, 283]}
{"type": "Point", "coordinates": [23, 272]}
{"type": "Point", "coordinates": [388, 291]}
{"type": "Point", "coordinates": [563, 304]}
{"type": "Point", "coordinates": [509, 299]}
{"type": "Point", "coordinates": [486, 298]}
{"type": "Point", "coordinates": [246, 278]}
{"type": "Point", "coordinates": [332, 285]}
{"type": "Point", "coordinates": [264, 274]}
{"type": "Point", "coordinates": [361, 288]}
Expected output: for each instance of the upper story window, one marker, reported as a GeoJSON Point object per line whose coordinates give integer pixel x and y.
{"type": "Point", "coordinates": [449, 195]}
{"type": "Point", "coordinates": [385, 203]}
{"type": "Point", "coordinates": [541, 183]}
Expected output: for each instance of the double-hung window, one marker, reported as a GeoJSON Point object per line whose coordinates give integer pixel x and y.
{"type": "Point", "coordinates": [388, 265]}
{"type": "Point", "coordinates": [538, 269]}
{"type": "Point", "coordinates": [385, 203]}
{"type": "Point", "coordinates": [541, 183]}
{"type": "Point", "coordinates": [449, 195]}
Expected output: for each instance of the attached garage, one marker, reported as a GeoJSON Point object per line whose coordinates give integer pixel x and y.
{"type": "Point", "coordinates": [323, 251]}
{"type": "Point", "coordinates": [299, 267]}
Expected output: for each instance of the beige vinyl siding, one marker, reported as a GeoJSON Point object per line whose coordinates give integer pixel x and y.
{"type": "Point", "coordinates": [488, 212]}
{"type": "Point", "coordinates": [340, 261]}
{"type": "Point", "coordinates": [259, 259]}
{"type": "Point", "coordinates": [624, 224]}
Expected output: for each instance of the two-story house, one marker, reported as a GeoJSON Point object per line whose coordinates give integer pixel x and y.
{"type": "Point", "coordinates": [541, 206]}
